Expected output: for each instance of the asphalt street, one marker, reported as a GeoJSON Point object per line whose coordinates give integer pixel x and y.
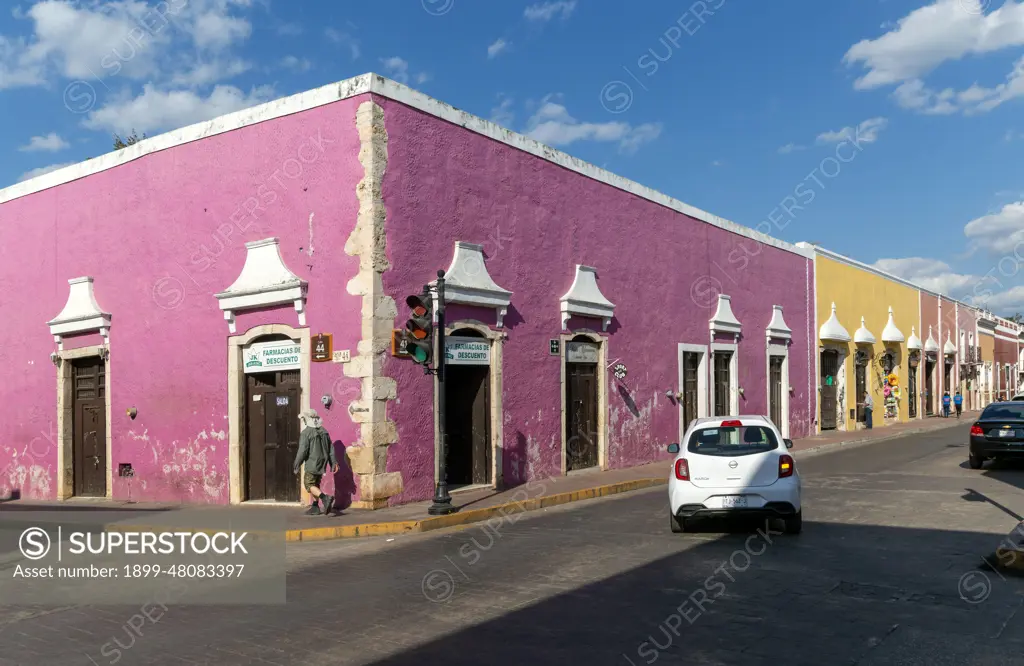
{"type": "Point", "coordinates": [889, 569]}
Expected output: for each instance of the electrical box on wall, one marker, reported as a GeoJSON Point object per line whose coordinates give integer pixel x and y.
{"type": "Point", "coordinates": [125, 469]}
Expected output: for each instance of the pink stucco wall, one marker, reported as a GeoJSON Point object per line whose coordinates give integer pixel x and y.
{"type": "Point", "coordinates": [536, 221]}
{"type": "Point", "coordinates": [161, 235]}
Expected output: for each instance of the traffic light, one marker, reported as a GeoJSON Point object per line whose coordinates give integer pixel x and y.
{"type": "Point", "coordinates": [419, 330]}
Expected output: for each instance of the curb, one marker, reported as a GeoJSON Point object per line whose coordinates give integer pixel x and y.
{"type": "Point", "coordinates": [470, 516]}
{"type": "Point", "coordinates": [855, 443]}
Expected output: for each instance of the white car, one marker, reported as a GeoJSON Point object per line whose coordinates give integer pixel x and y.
{"type": "Point", "coordinates": [733, 466]}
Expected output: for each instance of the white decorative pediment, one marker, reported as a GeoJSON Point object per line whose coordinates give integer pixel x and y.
{"type": "Point", "coordinates": [468, 282]}
{"type": "Point", "coordinates": [931, 345]}
{"type": "Point", "coordinates": [949, 349]}
{"type": "Point", "coordinates": [832, 330]}
{"type": "Point", "coordinates": [264, 281]}
{"type": "Point", "coordinates": [777, 327]}
{"type": "Point", "coordinates": [584, 298]}
{"type": "Point", "coordinates": [81, 314]}
{"type": "Point", "coordinates": [914, 342]}
{"type": "Point", "coordinates": [890, 333]}
{"type": "Point", "coordinates": [863, 336]}
{"type": "Point", "coordinates": [724, 321]}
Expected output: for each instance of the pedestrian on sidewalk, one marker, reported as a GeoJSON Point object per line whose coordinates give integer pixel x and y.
{"type": "Point", "coordinates": [317, 451]}
{"type": "Point", "coordinates": [958, 401]}
{"type": "Point", "coordinates": [945, 404]}
{"type": "Point", "coordinates": [869, 406]}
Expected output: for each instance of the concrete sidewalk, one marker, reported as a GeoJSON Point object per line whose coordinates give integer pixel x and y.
{"type": "Point", "coordinates": [479, 505]}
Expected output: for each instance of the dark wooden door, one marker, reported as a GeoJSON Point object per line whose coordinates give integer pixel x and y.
{"type": "Point", "coordinates": [912, 391]}
{"type": "Point", "coordinates": [861, 383]}
{"type": "Point", "coordinates": [929, 388]}
{"type": "Point", "coordinates": [89, 426]}
{"type": "Point", "coordinates": [691, 397]}
{"type": "Point", "coordinates": [272, 435]}
{"type": "Point", "coordinates": [775, 389]}
{"type": "Point", "coordinates": [581, 424]}
{"type": "Point", "coordinates": [467, 420]}
{"type": "Point", "coordinates": [829, 388]}
{"type": "Point", "coordinates": [722, 383]}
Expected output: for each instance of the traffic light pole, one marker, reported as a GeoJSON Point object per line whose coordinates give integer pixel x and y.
{"type": "Point", "coordinates": [442, 500]}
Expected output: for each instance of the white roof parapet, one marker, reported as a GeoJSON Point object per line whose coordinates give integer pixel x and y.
{"type": "Point", "coordinates": [81, 313]}
{"type": "Point", "coordinates": [914, 342]}
{"type": "Point", "coordinates": [724, 321]}
{"type": "Point", "coordinates": [376, 84]}
{"type": "Point", "coordinates": [467, 281]}
{"type": "Point", "coordinates": [832, 330]}
{"type": "Point", "coordinates": [890, 333]}
{"type": "Point", "coordinates": [585, 299]}
{"type": "Point", "coordinates": [264, 281]}
{"type": "Point", "coordinates": [931, 345]}
{"type": "Point", "coordinates": [777, 327]}
{"type": "Point", "coordinates": [863, 336]}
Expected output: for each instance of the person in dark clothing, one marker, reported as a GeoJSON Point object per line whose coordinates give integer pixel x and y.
{"type": "Point", "coordinates": [317, 451]}
{"type": "Point", "coordinates": [958, 402]}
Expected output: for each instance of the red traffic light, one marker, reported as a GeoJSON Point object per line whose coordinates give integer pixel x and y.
{"type": "Point", "coordinates": [417, 306]}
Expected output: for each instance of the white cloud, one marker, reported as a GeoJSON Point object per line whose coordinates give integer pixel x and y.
{"type": "Point", "coordinates": [553, 125]}
{"type": "Point", "coordinates": [866, 132]}
{"type": "Point", "coordinates": [717, 163]}
{"type": "Point", "coordinates": [28, 175]}
{"type": "Point", "coordinates": [398, 69]}
{"type": "Point", "coordinates": [157, 110]}
{"type": "Point", "coordinates": [50, 143]}
{"type": "Point", "coordinates": [203, 74]}
{"type": "Point", "coordinates": [998, 232]}
{"type": "Point", "coordinates": [790, 148]}
{"type": "Point", "coordinates": [296, 64]}
{"type": "Point", "coordinates": [944, 31]}
{"type": "Point", "coordinates": [216, 30]}
{"type": "Point", "coordinates": [289, 29]}
{"type": "Point", "coordinates": [344, 39]}
{"type": "Point", "coordinates": [929, 273]}
{"type": "Point", "coordinates": [503, 114]}
{"type": "Point", "coordinates": [548, 10]}
{"type": "Point", "coordinates": [497, 47]}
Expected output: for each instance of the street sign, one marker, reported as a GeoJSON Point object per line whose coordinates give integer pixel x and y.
{"type": "Point", "coordinates": [399, 344]}
{"type": "Point", "coordinates": [467, 351]}
{"type": "Point", "coordinates": [555, 347]}
{"type": "Point", "coordinates": [323, 346]}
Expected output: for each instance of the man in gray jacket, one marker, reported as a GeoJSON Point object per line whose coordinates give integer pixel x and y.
{"type": "Point", "coordinates": [317, 451]}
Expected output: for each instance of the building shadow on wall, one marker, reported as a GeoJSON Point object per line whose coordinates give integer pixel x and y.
{"type": "Point", "coordinates": [13, 497]}
{"type": "Point", "coordinates": [344, 479]}
{"type": "Point", "coordinates": [628, 400]}
{"type": "Point", "coordinates": [512, 318]}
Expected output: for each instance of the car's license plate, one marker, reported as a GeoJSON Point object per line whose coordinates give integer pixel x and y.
{"type": "Point", "coordinates": [734, 502]}
{"type": "Point", "coordinates": [1007, 433]}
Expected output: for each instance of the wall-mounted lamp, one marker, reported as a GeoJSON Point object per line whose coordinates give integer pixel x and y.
{"type": "Point", "coordinates": [54, 358]}
{"type": "Point", "coordinates": [105, 353]}
{"type": "Point", "coordinates": [741, 391]}
{"type": "Point", "coordinates": [327, 400]}
{"type": "Point", "coordinates": [132, 412]}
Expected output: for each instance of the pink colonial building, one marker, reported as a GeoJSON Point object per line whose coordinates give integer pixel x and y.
{"type": "Point", "coordinates": [175, 304]}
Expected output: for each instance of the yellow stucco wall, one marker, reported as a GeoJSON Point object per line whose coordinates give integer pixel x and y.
{"type": "Point", "coordinates": [859, 293]}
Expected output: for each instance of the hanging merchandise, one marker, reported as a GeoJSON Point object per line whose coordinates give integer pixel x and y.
{"type": "Point", "coordinates": [886, 391]}
{"type": "Point", "coordinates": [893, 379]}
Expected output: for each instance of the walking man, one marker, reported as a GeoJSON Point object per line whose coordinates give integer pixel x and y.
{"type": "Point", "coordinates": [958, 401]}
{"type": "Point", "coordinates": [317, 451]}
{"type": "Point", "coordinates": [869, 406]}
{"type": "Point", "coordinates": [945, 404]}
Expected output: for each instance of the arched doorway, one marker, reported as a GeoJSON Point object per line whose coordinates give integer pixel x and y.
{"type": "Point", "coordinates": [581, 403]}
{"type": "Point", "coordinates": [468, 407]}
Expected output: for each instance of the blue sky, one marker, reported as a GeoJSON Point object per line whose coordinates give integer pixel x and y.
{"type": "Point", "coordinates": [896, 123]}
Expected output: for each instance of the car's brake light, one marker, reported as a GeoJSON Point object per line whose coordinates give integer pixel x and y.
{"type": "Point", "coordinates": [682, 470]}
{"type": "Point", "coordinates": [732, 424]}
{"type": "Point", "coordinates": [786, 466]}
{"type": "Point", "coordinates": [976, 430]}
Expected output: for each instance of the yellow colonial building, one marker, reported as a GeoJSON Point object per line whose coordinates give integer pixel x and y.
{"type": "Point", "coordinates": [868, 342]}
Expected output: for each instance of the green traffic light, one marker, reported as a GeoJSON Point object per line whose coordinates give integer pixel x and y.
{"type": "Point", "coordinates": [419, 354]}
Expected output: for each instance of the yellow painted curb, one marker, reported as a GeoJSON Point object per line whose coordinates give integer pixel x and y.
{"type": "Point", "coordinates": [428, 524]}
{"type": "Point", "coordinates": [468, 516]}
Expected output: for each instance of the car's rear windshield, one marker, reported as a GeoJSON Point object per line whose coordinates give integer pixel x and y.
{"type": "Point", "coordinates": [1010, 411]}
{"type": "Point", "coordinates": [732, 441]}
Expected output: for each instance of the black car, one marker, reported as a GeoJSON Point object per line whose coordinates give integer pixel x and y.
{"type": "Point", "coordinates": [998, 433]}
